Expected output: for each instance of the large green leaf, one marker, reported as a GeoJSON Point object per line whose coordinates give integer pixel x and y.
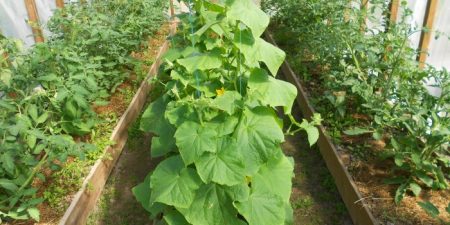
{"type": "Point", "coordinates": [174, 184]}
{"type": "Point", "coordinates": [163, 144]}
{"type": "Point", "coordinates": [272, 56]}
{"type": "Point", "coordinates": [194, 139]}
{"type": "Point", "coordinates": [200, 62]}
{"type": "Point", "coordinates": [142, 193]}
{"type": "Point", "coordinates": [153, 117]}
{"type": "Point", "coordinates": [153, 120]}
{"type": "Point", "coordinates": [248, 13]}
{"type": "Point", "coordinates": [228, 102]}
{"type": "Point", "coordinates": [258, 135]}
{"type": "Point", "coordinates": [179, 113]}
{"type": "Point", "coordinates": [271, 91]}
{"type": "Point", "coordinates": [224, 167]}
{"type": "Point", "coordinates": [263, 209]}
{"type": "Point", "coordinates": [258, 50]}
{"type": "Point", "coordinates": [275, 177]}
{"type": "Point", "coordinates": [173, 217]}
{"type": "Point", "coordinates": [212, 205]}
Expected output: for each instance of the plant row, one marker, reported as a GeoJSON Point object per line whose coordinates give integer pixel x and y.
{"type": "Point", "coordinates": [371, 85]}
{"type": "Point", "coordinates": [48, 92]}
{"type": "Point", "coordinates": [217, 125]}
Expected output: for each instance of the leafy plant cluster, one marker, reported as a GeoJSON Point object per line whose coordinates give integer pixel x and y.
{"type": "Point", "coordinates": [47, 93]}
{"type": "Point", "coordinates": [371, 72]}
{"type": "Point", "coordinates": [216, 123]}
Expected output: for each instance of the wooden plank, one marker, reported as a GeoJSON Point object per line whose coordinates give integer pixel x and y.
{"type": "Point", "coordinates": [86, 198]}
{"type": "Point", "coordinates": [352, 198]}
{"type": "Point", "coordinates": [60, 4]}
{"type": "Point", "coordinates": [172, 9]}
{"type": "Point", "coordinates": [393, 11]}
{"type": "Point", "coordinates": [425, 37]}
{"type": "Point", "coordinates": [364, 8]}
{"type": "Point", "coordinates": [33, 20]}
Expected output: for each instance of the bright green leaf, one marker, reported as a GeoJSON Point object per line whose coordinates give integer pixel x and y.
{"type": "Point", "coordinates": [248, 13]}
{"type": "Point", "coordinates": [271, 91]}
{"type": "Point", "coordinates": [212, 205]}
{"type": "Point", "coordinates": [415, 188]}
{"type": "Point", "coordinates": [8, 185]}
{"type": "Point", "coordinates": [200, 62]}
{"type": "Point", "coordinates": [34, 214]}
{"type": "Point", "coordinates": [263, 209]}
{"type": "Point", "coordinates": [33, 112]}
{"type": "Point", "coordinates": [275, 177]}
{"type": "Point", "coordinates": [258, 136]}
{"type": "Point", "coordinates": [224, 167]}
{"type": "Point", "coordinates": [194, 139]}
{"type": "Point", "coordinates": [228, 101]}
{"type": "Point", "coordinates": [174, 184]}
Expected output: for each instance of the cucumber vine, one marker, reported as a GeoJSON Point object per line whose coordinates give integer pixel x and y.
{"type": "Point", "coordinates": [216, 123]}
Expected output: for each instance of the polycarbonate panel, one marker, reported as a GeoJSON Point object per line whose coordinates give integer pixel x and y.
{"type": "Point", "coordinates": [376, 19]}
{"type": "Point", "coordinates": [439, 49]}
{"type": "Point", "coordinates": [13, 21]}
{"type": "Point", "coordinates": [45, 10]}
{"type": "Point", "coordinates": [416, 20]}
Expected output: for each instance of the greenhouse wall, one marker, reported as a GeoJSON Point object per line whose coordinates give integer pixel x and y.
{"type": "Point", "coordinates": [14, 24]}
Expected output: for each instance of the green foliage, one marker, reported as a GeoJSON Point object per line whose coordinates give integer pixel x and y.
{"type": "Point", "coordinates": [372, 71]}
{"type": "Point", "coordinates": [47, 93]}
{"type": "Point", "coordinates": [216, 123]}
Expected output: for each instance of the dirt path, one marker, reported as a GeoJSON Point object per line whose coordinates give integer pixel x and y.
{"type": "Point", "coordinates": [117, 205]}
{"type": "Point", "coordinates": [315, 199]}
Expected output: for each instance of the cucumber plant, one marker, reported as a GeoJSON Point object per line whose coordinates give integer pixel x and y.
{"type": "Point", "coordinates": [216, 123]}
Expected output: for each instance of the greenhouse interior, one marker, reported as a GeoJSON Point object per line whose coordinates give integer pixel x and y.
{"type": "Point", "coordinates": [224, 112]}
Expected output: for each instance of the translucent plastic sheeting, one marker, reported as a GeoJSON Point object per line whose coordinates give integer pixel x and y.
{"type": "Point", "coordinates": [439, 49]}
{"type": "Point", "coordinates": [418, 8]}
{"type": "Point", "coordinates": [376, 20]}
{"type": "Point", "coordinates": [13, 21]}
{"type": "Point", "coordinates": [45, 10]}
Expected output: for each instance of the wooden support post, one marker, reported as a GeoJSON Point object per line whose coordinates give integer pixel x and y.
{"type": "Point", "coordinates": [60, 4]}
{"type": "Point", "coordinates": [364, 8]}
{"type": "Point", "coordinates": [425, 37]}
{"type": "Point", "coordinates": [393, 9]}
{"type": "Point", "coordinates": [33, 20]}
{"type": "Point", "coordinates": [172, 10]}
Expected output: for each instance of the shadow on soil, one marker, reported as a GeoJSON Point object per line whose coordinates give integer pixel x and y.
{"type": "Point", "coordinates": [117, 205]}
{"type": "Point", "coordinates": [315, 198]}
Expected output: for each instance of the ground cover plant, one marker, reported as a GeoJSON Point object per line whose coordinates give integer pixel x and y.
{"type": "Point", "coordinates": [216, 123]}
{"type": "Point", "coordinates": [48, 93]}
{"type": "Point", "coordinates": [372, 87]}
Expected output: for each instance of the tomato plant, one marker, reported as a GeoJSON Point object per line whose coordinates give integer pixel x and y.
{"type": "Point", "coordinates": [47, 92]}
{"type": "Point", "coordinates": [372, 71]}
{"type": "Point", "coordinates": [216, 122]}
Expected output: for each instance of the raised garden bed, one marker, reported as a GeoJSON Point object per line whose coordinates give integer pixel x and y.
{"type": "Point", "coordinates": [344, 182]}
{"type": "Point", "coordinates": [368, 198]}
{"type": "Point", "coordinates": [85, 199]}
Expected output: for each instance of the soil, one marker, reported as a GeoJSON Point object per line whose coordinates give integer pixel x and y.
{"type": "Point", "coordinates": [117, 205]}
{"type": "Point", "coordinates": [369, 172]}
{"type": "Point", "coordinates": [315, 198]}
